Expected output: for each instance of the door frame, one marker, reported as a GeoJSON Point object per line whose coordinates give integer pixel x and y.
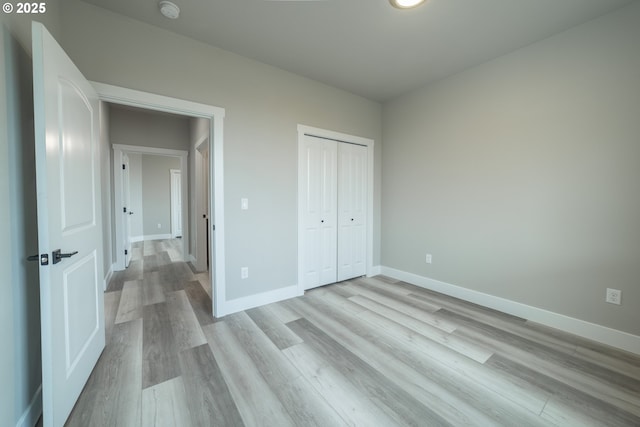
{"type": "Point", "coordinates": [345, 138]}
{"type": "Point", "coordinates": [119, 151]}
{"type": "Point", "coordinates": [215, 115]}
{"type": "Point", "coordinates": [200, 187]}
{"type": "Point", "coordinates": [174, 223]}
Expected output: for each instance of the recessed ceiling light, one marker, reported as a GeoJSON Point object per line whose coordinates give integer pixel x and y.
{"type": "Point", "coordinates": [169, 10]}
{"type": "Point", "coordinates": [406, 4]}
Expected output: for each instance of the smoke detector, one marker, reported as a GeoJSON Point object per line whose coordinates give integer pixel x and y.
{"type": "Point", "coordinates": [169, 10]}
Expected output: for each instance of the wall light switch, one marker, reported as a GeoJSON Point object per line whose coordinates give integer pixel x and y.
{"type": "Point", "coordinates": [244, 204]}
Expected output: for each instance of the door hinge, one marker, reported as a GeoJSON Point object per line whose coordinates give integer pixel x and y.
{"type": "Point", "coordinates": [213, 227]}
{"type": "Point", "coordinates": [124, 167]}
{"type": "Point", "coordinates": [124, 210]}
{"type": "Point", "coordinates": [126, 252]}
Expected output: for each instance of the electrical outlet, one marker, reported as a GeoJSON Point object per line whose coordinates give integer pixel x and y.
{"type": "Point", "coordinates": [159, 225]}
{"type": "Point", "coordinates": [244, 272]}
{"type": "Point", "coordinates": [614, 296]}
{"type": "Point", "coordinates": [428, 259]}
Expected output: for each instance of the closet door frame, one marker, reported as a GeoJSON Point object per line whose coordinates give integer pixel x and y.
{"type": "Point", "coordinates": [341, 138]}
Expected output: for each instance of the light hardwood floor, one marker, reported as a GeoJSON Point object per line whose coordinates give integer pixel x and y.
{"type": "Point", "coordinates": [365, 352]}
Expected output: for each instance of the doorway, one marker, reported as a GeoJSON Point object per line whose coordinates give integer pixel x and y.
{"type": "Point", "coordinates": [154, 222]}
{"type": "Point", "coordinates": [215, 117]}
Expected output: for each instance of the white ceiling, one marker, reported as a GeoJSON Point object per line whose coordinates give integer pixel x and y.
{"type": "Point", "coordinates": [366, 46]}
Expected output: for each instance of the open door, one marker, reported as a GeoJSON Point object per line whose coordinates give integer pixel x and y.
{"type": "Point", "coordinates": [69, 226]}
{"type": "Point", "coordinates": [126, 194]}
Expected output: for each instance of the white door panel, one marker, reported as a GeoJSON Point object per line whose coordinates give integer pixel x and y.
{"type": "Point", "coordinates": [352, 208]}
{"type": "Point", "coordinates": [319, 211]}
{"type": "Point", "coordinates": [67, 169]}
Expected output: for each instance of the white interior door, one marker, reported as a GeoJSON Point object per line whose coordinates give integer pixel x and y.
{"type": "Point", "coordinates": [176, 203]}
{"type": "Point", "coordinates": [352, 211]}
{"type": "Point", "coordinates": [127, 212]}
{"type": "Point", "coordinates": [319, 212]}
{"type": "Point", "coordinates": [68, 178]}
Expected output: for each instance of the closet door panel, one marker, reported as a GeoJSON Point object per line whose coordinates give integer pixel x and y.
{"type": "Point", "coordinates": [319, 250]}
{"type": "Point", "coordinates": [352, 211]}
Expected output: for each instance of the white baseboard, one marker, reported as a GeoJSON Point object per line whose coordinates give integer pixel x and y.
{"type": "Point", "coordinates": [152, 237]}
{"type": "Point", "coordinates": [376, 270]}
{"type": "Point", "coordinates": [34, 410]}
{"type": "Point", "coordinates": [108, 276]}
{"type": "Point", "coordinates": [135, 239]}
{"type": "Point", "coordinates": [602, 334]}
{"type": "Point", "coordinates": [251, 301]}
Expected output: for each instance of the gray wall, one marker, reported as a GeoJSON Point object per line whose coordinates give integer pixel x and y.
{"type": "Point", "coordinates": [263, 107]}
{"type": "Point", "coordinates": [156, 193]}
{"type": "Point", "coordinates": [521, 176]}
{"type": "Point", "coordinates": [148, 128]}
{"type": "Point", "coordinates": [20, 364]}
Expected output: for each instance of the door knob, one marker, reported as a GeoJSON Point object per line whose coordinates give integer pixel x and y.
{"type": "Point", "coordinates": [57, 255]}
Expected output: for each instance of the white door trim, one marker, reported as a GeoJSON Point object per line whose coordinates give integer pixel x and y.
{"type": "Point", "coordinates": [135, 98]}
{"type": "Point", "coordinates": [176, 226]}
{"type": "Point", "coordinates": [338, 136]}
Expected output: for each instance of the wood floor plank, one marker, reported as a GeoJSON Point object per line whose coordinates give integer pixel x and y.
{"type": "Point", "coordinates": [152, 290]}
{"type": "Point", "coordinates": [389, 300]}
{"type": "Point", "coordinates": [511, 343]}
{"type": "Point", "coordinates": [130, 307]}
{"type": "Point", "coordinates": [340, 300]}
{"type": "Point", "coordinates": [342, 396]}
{"type": "Point", "coordinates": [381, 357]}
{"type": "Point", "coordinates": [399, 405]}
{"type": "Point", "coordinates": [165, 405]}
{"type": "Point", "coordinates": [186, 328]}
{"type": "Point", "coordinates": [268, 359]}
{"type": "Point", "coordinates": [458, 395]}
{"type": "Point", "coordinates": [200, 302]}
{"type": "Point", "coordinates": [256, 402]}
{"type": "Point", "coordinates": [458, 305]}
{"type": "Point", "coordinates": [272, 327]}
{"type": "Point", "coordinates": [566, 404]}
{"type": "Point", "coordinates": [282, 312]}
{"type": "Point", "coordinates": [283, 378]}
{"type": "Point", "coordinates": [208, 397]}
{"type": "Point", "coordinates": [465, 347]}
{"type": "Point", "coordinates": [616, 390]}
{"type": "Point", "coordinates": [150, 262]}
{"type": "Point", "coordinates": [159, 350]}
{"type": "Point", "coordinates": [111, 304]}
{"type": "Point", "coordinates": [133, 272]}
{"type": "Point", "coordinates": [417, 311]}
{"type": "Point", "coordinates": [112, 394]}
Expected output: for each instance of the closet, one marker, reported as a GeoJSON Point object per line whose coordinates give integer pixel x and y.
{"type": "Point", "coordinates": [333, 210]}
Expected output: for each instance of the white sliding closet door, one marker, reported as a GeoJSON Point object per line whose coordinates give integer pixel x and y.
{"type": "Point", "coordinates": [352, 211]}
{"type": "Point", "coordinates": [319, 211]}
